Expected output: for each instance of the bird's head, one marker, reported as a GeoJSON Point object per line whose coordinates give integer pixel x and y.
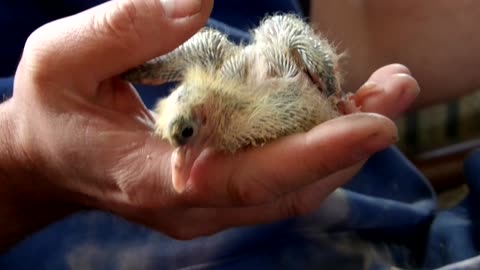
{"type": "Point", "coordinates": [192, 119]}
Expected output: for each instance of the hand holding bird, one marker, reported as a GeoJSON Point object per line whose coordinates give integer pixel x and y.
{"type": "Point", "coordinates": [77, 135]}
{"type": "Point", "coordinates": [286, 81]}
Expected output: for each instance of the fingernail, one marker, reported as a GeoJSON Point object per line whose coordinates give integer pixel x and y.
{"type": "Point", "coordinates": [411, 91]}
{"type": "Point", "coordinates": [370, 88]}
{"type": "Point", "coordinates": [374, 143]}
{"type": "Point", "coordinates": [181, 8]}
{"type": "Point", "coordinates": [369, 85]}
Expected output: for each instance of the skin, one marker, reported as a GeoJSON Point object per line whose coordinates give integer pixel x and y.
{"type": "Point", "coordinates": [75, 136]}
{"type": "Point", "coordinates": [437, 39]}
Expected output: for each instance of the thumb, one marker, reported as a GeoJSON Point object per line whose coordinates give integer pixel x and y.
{"type": "Point", "coordinates": [110, 38]}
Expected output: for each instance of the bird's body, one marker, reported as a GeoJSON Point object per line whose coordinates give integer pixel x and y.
{"type": "Point", "coordinates": [250, 112]}
{"type": "Point", "coordinates": [231, 97]}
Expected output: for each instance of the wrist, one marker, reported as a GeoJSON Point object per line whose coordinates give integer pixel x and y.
{"type": "Point", "coordinates": [25, 205]}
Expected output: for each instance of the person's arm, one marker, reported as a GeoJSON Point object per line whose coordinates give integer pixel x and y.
{"type": "Point", "coordinates": [437, 39]}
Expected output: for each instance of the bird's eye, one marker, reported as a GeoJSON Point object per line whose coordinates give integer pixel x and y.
{"type": "Point", "coordinates": [183, 131]}
{"type": "Point", "coordinates": [187, 132]}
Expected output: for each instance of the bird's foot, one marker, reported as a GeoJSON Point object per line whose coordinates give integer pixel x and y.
{"type": "Point", "coordinates": [346, 104]}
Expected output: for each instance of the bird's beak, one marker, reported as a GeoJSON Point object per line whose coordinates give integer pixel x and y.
{"type": "Point", "coordinates": [182, 162]}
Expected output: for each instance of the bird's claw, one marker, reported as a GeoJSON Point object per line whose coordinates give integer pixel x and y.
{"type": "Point", "coordinates": [346, 104]}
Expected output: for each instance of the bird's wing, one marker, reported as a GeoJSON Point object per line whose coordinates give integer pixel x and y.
{"type": "Point", "coordinates": [208, 48]}
{"type": "Point", "coordinates": [293, 46]}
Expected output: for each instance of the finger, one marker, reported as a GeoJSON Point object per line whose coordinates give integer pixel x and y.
{"type": "Point", "coordinates": [384, 72]}
{"type": "Point", "coordinates": [299, 203]}
{"type": "Point", "coordinates": [115, 36]}
{"type": "Point", "coordinates": [390, 98]}
{"type": "Point", "coordinates": [390, 91]}
{"type": "Point", "coordinates": [211, 220]}
{"type": "Point", "coordinates": [260, 175]}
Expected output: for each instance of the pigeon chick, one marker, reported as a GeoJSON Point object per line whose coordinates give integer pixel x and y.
{"type": "Point", "coordinates": [231, 97]}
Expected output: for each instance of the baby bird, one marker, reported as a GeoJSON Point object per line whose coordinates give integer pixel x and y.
{"type": "Point", "coordinates": [231, 97]}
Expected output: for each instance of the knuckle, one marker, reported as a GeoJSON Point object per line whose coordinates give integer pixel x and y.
{"type": "Point", "coordinates": [39, 51]}
{"type": "Point", "coordinates": [119, 23]}
{"type": "Point", "coordinates": [37, 39]}
{"type": "Point", "coordinates": [238, 195]}
{"type": "Point", "coordinates": [313, 167]}
{"type": "Point", "coordinates": [295, 206]}
{"type": "Point", "coordinates": [247, 192]}
{"type": "Point", "coordinates": [317, 170]}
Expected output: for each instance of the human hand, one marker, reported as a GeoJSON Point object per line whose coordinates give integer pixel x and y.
{"type": "Point", "coordinates": [86, 139]}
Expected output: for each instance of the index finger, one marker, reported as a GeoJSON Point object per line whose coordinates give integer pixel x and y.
{"type": "Point", "coordinates": [261, 175]}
